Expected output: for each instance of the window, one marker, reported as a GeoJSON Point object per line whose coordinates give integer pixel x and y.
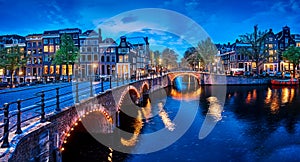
{"type": "Point", "coordinates": [113, 58]}
{"type": "Point", "coordinates": [95, 49]}
{"type": "Point", "coordinates": [89, 49]}
{"type": "Point", "coordinates": [51, 41]}
{"type": "Point", "coordinates": [286, 40]}
{"type": "Point", "coordinates": [46, 49]}
{"type": "Point", "coordinates": [56, 47]}
{"type": "Point", "coordinates": [102, 58]}
{"type": "Point", "coordinates": [57, 69]}
{"type": "Point", "coordinates": [1, 72]}
{"type": "Point", "coordinates": [52, 69]}
{"type": "Point", "coordinates": [29, 52]}
{"type": "Point", "coordinates": [107, 50]}
{"type": "Point", "coordinates": [64, 70]}
{"type": "Point", "coordinates": [46, 58]}
{"type": "Point", "coordinates": [271, 52]}
{"type": "Point", "coordinates": [56, 40]}
{"type": "Point", "coordinates": [107, 59]}
{"type": "Point", "coordinates": [270, 39]}
{"type": "Point", "coordinates": [40, 61]}
{"type": "Point", "coordinates": [83, 58]}
{"type": "Point", "coordinates": [89, 58]}
{"type": "Point", "coordinates": [298, 44]}
{"type": "Point", "coordinates": [96, 57]}
{"type": "Point", "coordinates": [45, 69]}
{"type": "Point", "coordinates": [120, 58]}
{"type": "Point", "coordinates": [29, 61]}
{"type": "Point", "coordinates": [51, 48]}
{"type": "Point", "coordinates": [35, 61]}
{"type": "Point", "coordinates": [45, 41]}
{"type": "Point", "coordinates": [34, 51]}
{"type": "Point", "coordinates": [70, 70]}
{"type": "Point", "coordinates": [34, 44]}
{"type": "Point", "coordinates": [270, 46]}
{"type": "Point", "coordinates": [39, 44]}
{"type": "Point", "coordinates": [112, 50]}
{"type": "Point", "coordinates": [126, 58]}
{"type": "Point", "coordinates": [40, 51]}
{"type": "Point", "coordinates": [28, 45]}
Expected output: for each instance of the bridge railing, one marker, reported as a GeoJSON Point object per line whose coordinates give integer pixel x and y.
{"type": "Point", "coordinates": [15, 116]}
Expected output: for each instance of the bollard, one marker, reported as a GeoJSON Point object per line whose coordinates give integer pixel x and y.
{"type": "Point", "coordinates": [43, 119]}
{"type": "Point", "coordinates": [5, 143]}
{"type": "Point", "coordinates": [110, 82]}
{"type": "Point", "coordinates": [57, 100]}
{"type": "Point", "coordinates": [77, 96]}
{"type": "Point", "coordinates": [102, 86]}
{"type": "Point", "coordinates": [19, 130]}
{"type": "Point", "coordinates": [91, 88]}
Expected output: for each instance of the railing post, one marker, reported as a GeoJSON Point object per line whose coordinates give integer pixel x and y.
{"type": "Point", "coordinates": [102, 86]}
{"type": "Point", "coordinates": [110, 82]}
{"type": "Point", "coordinates": [77, 96]}
{"type": "Point", "coordinates": [5, 143]}
{"type": "Point", "coordinates": [57, 100]}
{"type": "Point", "coordinates": [91, 88]}
{"type": "Point", "coordinates": [19, 130]}
{"type": "Point", "coordinates": [43, 119]}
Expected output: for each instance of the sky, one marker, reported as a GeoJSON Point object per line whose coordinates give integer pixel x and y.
{"type": "Point", "coordinates": [168, 23]}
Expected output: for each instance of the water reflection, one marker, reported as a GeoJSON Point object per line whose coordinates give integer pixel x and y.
{"type": "Point", "coordinates": [165, 118]}
{"type": "Point", "coordinates": [215, 109]}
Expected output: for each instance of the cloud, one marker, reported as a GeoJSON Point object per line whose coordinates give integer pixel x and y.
{"type": "Point", "coordinates": [129, 19]}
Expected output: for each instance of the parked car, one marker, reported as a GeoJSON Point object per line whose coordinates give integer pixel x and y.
{"type": "Point", "coordinates": [236, 73]}
{"type": "Point", "coordinates": [287, 74]}
{"type": "Point", "coordinates": [278, 74]}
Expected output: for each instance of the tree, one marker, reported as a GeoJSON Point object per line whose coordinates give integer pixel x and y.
{"type": "Point", "coordinates": [191, 56]}
{"type": "Point", "coordinates": [11, 59]}
{"type": "Point", "coordinates": [169, 58]}
{"type": "Point", "coordinates": [67, 54]}
{"type": "Point", "coordinates": [257, 50]}
{"type": "Point", "coordinates": [207, 51]}
{"type": "Point", "coordinates": [292, 54]}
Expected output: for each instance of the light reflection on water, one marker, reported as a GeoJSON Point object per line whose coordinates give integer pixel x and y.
{"type": "Point", "coordinates": [255, 124]}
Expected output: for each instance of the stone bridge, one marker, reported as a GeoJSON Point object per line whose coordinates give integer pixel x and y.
{"type": "Point", "coordinates": [45, 141]}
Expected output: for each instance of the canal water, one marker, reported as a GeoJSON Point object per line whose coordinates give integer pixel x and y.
{"type": "Point", "coordinates": [250, 123]}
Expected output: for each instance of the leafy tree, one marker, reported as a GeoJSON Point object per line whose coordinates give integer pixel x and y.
{"type": "Point", "coordinates": [169, 58]}
{"type": "Point", "coordinates": [67, 54]}
{"type": "Point", "coordinates": [207, 52]}
{"type": "Point", "coordinates": [11, 59]}
{"type": "Point", "coordinates": [257, 50]}
{"type": "Point", "coordinates": [292, 54]}
{"type": "Point", "coordinates": [191, 56]}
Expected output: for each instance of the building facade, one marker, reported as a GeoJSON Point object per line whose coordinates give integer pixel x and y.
{"type": "Point", "coordinates": [51, 42]}
{"type": "Point", "coordinates": [34, 53]}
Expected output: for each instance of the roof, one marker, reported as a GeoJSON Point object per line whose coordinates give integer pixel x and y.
{"type": "Point", "coordinates": [137, 40]}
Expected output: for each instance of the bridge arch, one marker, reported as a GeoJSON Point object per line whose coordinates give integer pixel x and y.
{"type": "Point", "coordinates": [173, 76]}
{"type": "Point", "coordinates": [145, 87]}
{"type": "Point", "coordinates": [97, 108]}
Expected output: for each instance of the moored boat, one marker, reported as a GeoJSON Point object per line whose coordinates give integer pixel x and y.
{"type": "Point", "coordinates": [285, 82]}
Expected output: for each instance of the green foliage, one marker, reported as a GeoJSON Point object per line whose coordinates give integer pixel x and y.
{"type": "Point", "coordinates": [12, 58]}
{"type": "Point", "coordinates": [67, 53]}
{"type": "Point", "coordinates": [204, 53]}
{"type": "Point", "coordinates": [292, 54]}
{"type": "Point", "coordinates": [169, 58]}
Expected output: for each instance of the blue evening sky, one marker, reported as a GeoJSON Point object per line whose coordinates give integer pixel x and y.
{"type": "Point", "coordinates": [223, 20]}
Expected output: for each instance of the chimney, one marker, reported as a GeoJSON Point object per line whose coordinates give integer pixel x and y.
{"type": "Point", "coordinates": [100, 35]}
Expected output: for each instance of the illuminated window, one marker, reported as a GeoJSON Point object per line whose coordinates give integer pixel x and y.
{"type": "Point", "coordinates": [1, 72]}
{"type": "Point", "coordinates": [270, 46]}
{"type": "Point", "coordinates": [120, 58]}
{"type": "Point", "coordinates": [46, 49]}
{"type": "Point", "coordinates": [271, 59]}
{"type": "Point", "coordinates": [126, 58]}
{"type": "Point", "coordinates": [56, 47]}
{"type": "Point", "coordinates": [64, 70]}
{"type": "Point", "coordinates": [57, 69]}
{"type": "Point", "coordinates": [51, 49]}
{"type": "Point", "coordinates": [298, 44]}
{"type": "Point", "coordinates": [271, 52]}
{"type": "Point", "coordinates": [112, 50]}
{"type": "Point", "coordinates": [52, 69]}
{"type": "Point", "coordinates": [70, 70]}
{"type": "Point", "coordinates": [28, 52]}
{"type": "Point", "coordinates": [45, 69]}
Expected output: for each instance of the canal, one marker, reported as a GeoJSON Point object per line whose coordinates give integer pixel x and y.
{"type": "Point", "coordinates": [250, 123]}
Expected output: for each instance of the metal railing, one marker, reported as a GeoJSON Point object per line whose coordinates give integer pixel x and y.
{"type": "Point", "coordinates": [15, 116]}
